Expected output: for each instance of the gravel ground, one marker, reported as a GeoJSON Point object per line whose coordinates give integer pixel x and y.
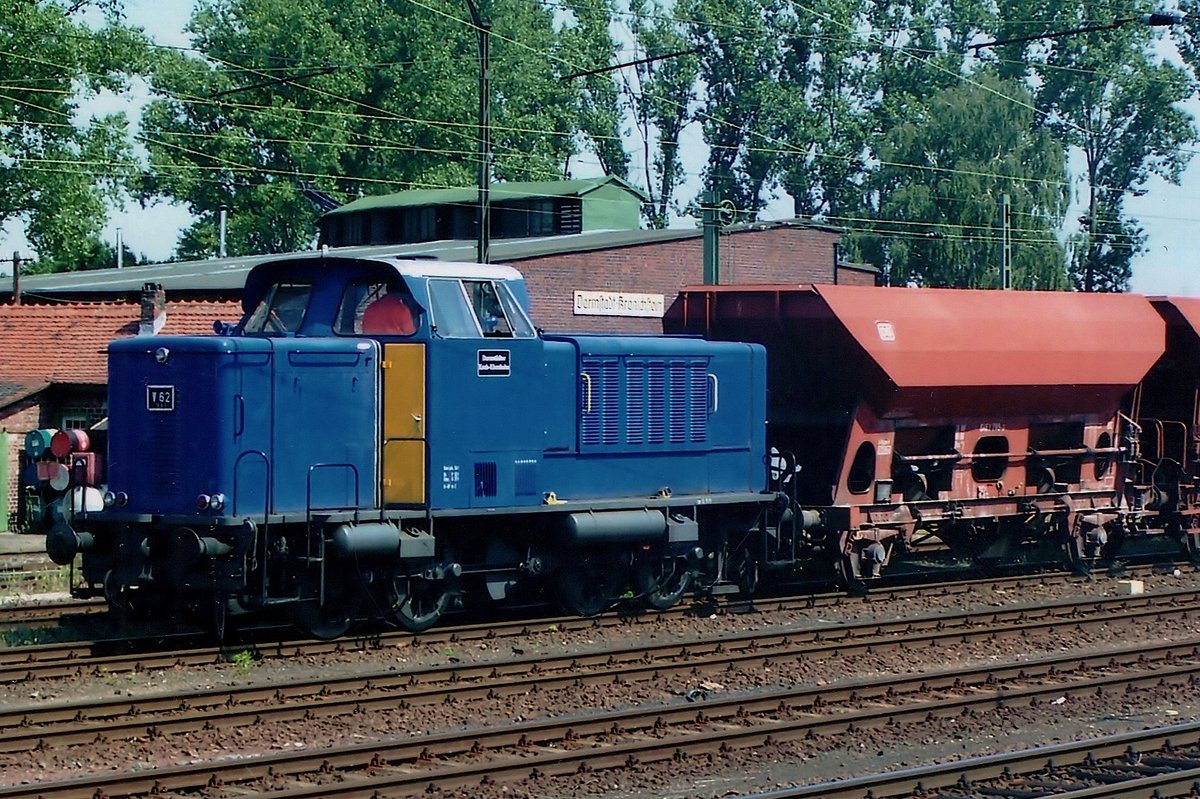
{"type": "Point", "coordinates": [738, 772]}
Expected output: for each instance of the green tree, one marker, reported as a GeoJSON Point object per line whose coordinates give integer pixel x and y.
{"type": "Point", "coordinates": [660, 94]}
{"type": "Point", "coordinates": [60, 172]}
{"type": "Point", "coordinates": [824, 122]}
{"type": "Point", "coordinates": [1110, 95]}
{"type": "Point", "coordinates": [937, 194]}
{"type": "Point", "coordinates": [354, 98]}
{"type": "Point", "coordinates": [740, 60]}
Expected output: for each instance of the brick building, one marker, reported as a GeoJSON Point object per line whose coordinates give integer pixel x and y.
{"type": "Point", "coordinates": [660, 263]}
{"type": "Point", "coordinates": [53, 367]}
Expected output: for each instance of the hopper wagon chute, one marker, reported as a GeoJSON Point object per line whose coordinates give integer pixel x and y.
{"type": "Point", "coordinates": [942, 424]}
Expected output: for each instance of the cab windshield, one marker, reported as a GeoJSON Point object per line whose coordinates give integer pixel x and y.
{"type": "Point", "coordinates": [281, 310]}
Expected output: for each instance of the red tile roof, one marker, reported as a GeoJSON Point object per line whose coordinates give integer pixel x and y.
{"type": "Point", "coordinates": [67, 342]}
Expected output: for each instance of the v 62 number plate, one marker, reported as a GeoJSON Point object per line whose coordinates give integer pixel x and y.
{"type": "Point", "coordinates": [160, 398]}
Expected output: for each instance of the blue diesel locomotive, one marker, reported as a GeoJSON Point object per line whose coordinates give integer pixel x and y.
{"type": "Point", "coordinates": [382, 437]}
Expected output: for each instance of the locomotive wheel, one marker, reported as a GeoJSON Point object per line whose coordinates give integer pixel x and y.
{"type": "Point", "coordinates": [416, 603]}
{"type": "Point", "coordinates": [743, 572]}
{"type": "Point", "coordinates": [668, 582]}
{"type": "Point", "coordinates": [323, 623]}
{"type": "Point", "coordinates": [589, 588]}
{"type": "Point", "coordinates": [126, 601]}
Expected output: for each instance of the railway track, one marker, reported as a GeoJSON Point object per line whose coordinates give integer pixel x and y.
{"type": "Point", "coordinates": [639, 738]}
{"type": "Point", "coordinates": [62, 724]}
{"type": "Point", "coordinates": [44, 613]}
{"type": "Point", "coordinates": [1158, 763]}
{"type": "Point", "coordinates": [123, 655]}
{"type": "Point", "coordinates": [41, 614]}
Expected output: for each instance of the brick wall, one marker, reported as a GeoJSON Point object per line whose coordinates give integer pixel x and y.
{"type": "Point", "coordinates": [18, 420]}
{"type": "Point", "coordinates": [774, 254]}
{"type": "Point", "coordinates": [46, 409]}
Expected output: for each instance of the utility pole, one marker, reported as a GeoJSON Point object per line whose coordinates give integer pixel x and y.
{"type": "Point", "coordinates": [1005, 245]}
{"type": "Point", "coordinates": [16, 277]}
{"type": "Point", "coordinates": [484, 136]}
{"type": "Point", "coordinates": [1089, 267]}
{"type": "Point", "coordinates": [710, 224]}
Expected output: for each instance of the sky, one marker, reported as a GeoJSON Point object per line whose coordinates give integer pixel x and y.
{"type": "Point", "coordinates": [1166, 212]}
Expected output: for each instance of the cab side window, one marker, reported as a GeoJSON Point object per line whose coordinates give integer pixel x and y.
{"type": "Point", "coordinates": [486, 305]}
{"type": "Point", "coordinates": [473, 308]}
{"type": "Point", "coordinates": [281, 310]}
{"type": "Point", "coordinates": [377, 309]}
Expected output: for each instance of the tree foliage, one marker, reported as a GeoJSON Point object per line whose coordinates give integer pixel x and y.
{"type": "Point", "coordinates": [60, 167]}
{"type": "Point", "coordinates": [1108, 94]}
{"type": "Point", "coordinates": [974, 150]}
{"type": "Point", "coordinates": [355, 98]}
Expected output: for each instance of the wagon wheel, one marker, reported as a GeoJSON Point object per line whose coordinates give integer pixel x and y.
{"type": "Point", "coordinates": [590, 587]}
{"type": "Point", "coordinates": [1077, 561]}
{"type": "Point", "coordinates": [846, 565]}
{"type": "Point", "coordinates": [415, 603]}
{"type": "Point", "coordinates": [668, 580]}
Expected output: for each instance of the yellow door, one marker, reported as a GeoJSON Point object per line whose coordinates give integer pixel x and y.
{"type": "Point", "coordinates": [403, 469]}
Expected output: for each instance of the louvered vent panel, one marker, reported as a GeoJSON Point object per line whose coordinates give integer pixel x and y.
{"type": "Point", "coordinates": [635, 402]}
{"type": "Point", "coordinates": [570, 218]}
{"type": "Point", "coordinates": [677, 401]}
{"type": "Point", "coordinates": [698, 402]}
{"type": "Point", "coordinates": [163, 458]}
{"type": "Point", "coordinates": [656, 423]}
{"type": "Point", "coordinates": [485, 479]}
{"type": "Point", "coordinates": [610, 411]}
{"type": "Point", "coordinates": [525, 478]}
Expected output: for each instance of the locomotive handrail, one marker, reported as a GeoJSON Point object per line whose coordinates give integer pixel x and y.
{"type": "Point", "coordinates": [266, 526]}
{"type": "Point", "coordinates": [267, 494]}
{"type": "Point", "coordinates": [716, 392]}
{"type": "Point", "coordinates": [308, 506]}
{"type": "Point", "coordinates": [308, 516]}
{"type": "Point", "coordinates": [587, 391]}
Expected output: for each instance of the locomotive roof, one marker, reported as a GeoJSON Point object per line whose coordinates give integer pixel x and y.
{"type": "Point", "coordinates": [407, 267]}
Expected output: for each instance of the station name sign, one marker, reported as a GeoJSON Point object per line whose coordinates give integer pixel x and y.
{"type": "Point", "coordinates": [618, 303]}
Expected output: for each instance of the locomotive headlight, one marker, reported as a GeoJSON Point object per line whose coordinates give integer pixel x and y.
{"type": "Point", "coordinates": [122, 499]}
{"type": "Point", "coordinates": [202, 502]}
{"type": "Point", "coordinates": [162, 354]}
{"type": "Point", "coordinates": [216, 501]}
{"type": "Point", "coordinates": [110, 499]}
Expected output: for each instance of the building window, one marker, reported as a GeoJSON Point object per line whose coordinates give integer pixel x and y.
{"type": "Point", "coordinates": [542, 218]}
{"type": "Point", "coordinates": [419, 225]}
{"type": "Point", "coordinates": [73, 422]}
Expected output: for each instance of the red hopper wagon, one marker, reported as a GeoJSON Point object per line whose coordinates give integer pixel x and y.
{"type": "Point", "coordinates": [914, 423]}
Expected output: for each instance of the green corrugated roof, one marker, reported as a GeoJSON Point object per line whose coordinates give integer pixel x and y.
{"type": "Point", "coordinates": [499, 192]}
